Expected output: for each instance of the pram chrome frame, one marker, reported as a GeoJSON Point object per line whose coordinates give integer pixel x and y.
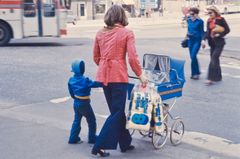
{"type": "Point", "coordinates": [177, 128]}
{"type": "Point", "coordinates": [173, 130]}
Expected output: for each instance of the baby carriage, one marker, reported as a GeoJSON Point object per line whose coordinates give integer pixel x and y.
{"type": "Point", "coordinates": [148, 110]}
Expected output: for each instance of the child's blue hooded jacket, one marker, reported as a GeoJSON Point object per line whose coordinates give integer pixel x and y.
{"type": "Point", "coordinates": [79, 85]}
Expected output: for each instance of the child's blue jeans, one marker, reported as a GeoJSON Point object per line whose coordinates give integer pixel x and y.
{"type": "Point", "coordinates": [86, 111]}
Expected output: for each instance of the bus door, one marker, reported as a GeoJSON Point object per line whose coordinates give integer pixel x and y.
{"type": "Point", "coordinates": [30, 18]}
{"type": "Point", "coordinates": [50, 16]}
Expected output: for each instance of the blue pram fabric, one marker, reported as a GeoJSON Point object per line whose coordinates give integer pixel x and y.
{"type": "Point", "coordinates": [173, 88]}
{"type": "Point", "coordinates": [167, 73]}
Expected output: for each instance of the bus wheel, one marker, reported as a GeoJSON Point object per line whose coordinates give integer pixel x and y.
{"type": "Point", "coordinates": [5, 34]}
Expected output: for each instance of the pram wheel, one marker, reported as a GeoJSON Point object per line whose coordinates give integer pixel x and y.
{"type": "Point", "coordinates": [144, 133]}
{"type": "Point", "coordinates": [159, 139]}
{"type": "Point", "coordinates": [177, 131]}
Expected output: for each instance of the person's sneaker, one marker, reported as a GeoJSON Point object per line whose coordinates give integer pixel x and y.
{"type": "Point", "coordinates": [131, 147]}
{"type": "Point", "coordinates": [102, 153]}
{"type": "Point", "coordinates": [195, 77]}
{"type": "Point", "coordinates": [78, 142]}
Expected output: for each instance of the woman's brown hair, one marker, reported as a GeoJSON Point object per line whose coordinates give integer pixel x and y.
{"type": "Point", "coordinates": [215, 10]}
{"type": "Point", "coordinates": [114, 15]}
{"type": "Point", "coordinates": [195, 10]}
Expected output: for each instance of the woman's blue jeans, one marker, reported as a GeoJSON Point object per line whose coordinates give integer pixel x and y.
{"type": "Point", "coordinates": [194, 46]}
{"type": "Point", "coordinates": [114, 130]}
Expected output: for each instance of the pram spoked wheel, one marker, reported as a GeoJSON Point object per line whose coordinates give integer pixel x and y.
{"type": "Point", "coordinates": [131, 131]}
{"type": "Point", "coordinates": [144, 133]}
{"type": "Point", "coordinates": [177, 131]}
{"type": "Point", "coordinates": [159, 139]}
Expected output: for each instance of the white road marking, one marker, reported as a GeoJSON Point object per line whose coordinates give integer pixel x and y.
{"type": "Point", "coordinates": [231, 66]}
{"type": "Point", "coordinates": [98, 90]}
{"type": "Point", "coordinates": [101, 116]}
{"type": "Point", "coordinates": [64, 99]}
{"type": "Point", "coordinates": [60, 100]}
{"type": "Point", "coordinates": [238, 76]}
{"type": "Point", "coordinates": [225, 74]}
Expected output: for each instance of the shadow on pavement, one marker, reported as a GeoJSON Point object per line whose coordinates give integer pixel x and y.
{"type": "Point", "coordinates": [40, 44]}
{"type": "Point", "coordinates": [45, 44]}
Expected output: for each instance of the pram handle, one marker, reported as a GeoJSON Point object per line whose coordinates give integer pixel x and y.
{"type": "Point", "coordinates": [133, 77]}
{"type": "Point", "coordinates": [148, 81]}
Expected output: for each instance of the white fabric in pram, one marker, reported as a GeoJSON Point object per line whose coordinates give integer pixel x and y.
{"type": "Point", "coordinates": [145, 103]}
{"type": "Point", "coordinates": [157, 68]}
{"type": "Point", "coordinates": [140, 111]}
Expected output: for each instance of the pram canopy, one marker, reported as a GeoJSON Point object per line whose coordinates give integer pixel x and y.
{"type": "Point", "coordinates": [167, 73]}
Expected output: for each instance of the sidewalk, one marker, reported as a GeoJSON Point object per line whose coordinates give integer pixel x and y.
{"type": "Point", "coordinates": [167, 18]}
{"type": "Point", "coordinates": [34, 131]}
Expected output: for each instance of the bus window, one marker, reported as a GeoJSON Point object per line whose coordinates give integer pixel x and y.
{"type": "Point", "coordinates": [29, 8]}
{"type": "Point", "coordinates": [49, 8]}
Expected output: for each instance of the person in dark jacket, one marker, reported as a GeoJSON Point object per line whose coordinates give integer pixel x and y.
{"type": "Point", "coordinates": [79, 88]}
{"type": "Point", "coordinates": [217, 28]}
{"type": "Point", "coordinates": [195, 35]}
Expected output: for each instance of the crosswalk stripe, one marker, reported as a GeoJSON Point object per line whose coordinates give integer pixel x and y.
{"type": "Point", "coordinates": [60, 100]}
{"type": "Point", "coordinates": [231, 66]}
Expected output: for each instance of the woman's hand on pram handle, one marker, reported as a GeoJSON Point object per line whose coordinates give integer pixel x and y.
{"type": "Point", "coordinates": [143, 80]}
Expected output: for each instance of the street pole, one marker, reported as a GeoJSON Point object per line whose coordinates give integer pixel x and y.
{"type": "Point", "coordinates": [93, 9]}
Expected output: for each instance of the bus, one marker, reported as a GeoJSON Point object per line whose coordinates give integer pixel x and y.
{"type": "Point", "coordinates": [32, 18]}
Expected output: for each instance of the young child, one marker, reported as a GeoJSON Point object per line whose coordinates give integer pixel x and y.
{"type": "Point", "coordinates": [79, 88]}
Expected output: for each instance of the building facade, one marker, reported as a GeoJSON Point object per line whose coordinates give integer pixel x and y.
{"type": "Point", "coordinates": [95, 9]}
{"type": "Point", "coordinates": [82, 9]}
{"type": "Point", "coordinates": [176, 5]}
{"type": "Point", "coordinates": [90, 9]}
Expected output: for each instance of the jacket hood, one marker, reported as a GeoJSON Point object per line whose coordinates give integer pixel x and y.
{"type": "Point", "coordinates": [78, 67]}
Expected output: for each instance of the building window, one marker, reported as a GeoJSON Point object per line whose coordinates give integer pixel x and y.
{"type": "Point", "coordinates": [82, 10]}
{"type": "Point", "coordinates": [100, 8]}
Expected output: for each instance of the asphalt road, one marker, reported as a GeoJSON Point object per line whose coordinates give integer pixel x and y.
{"type": "Point", "coordinates": [35, 71]}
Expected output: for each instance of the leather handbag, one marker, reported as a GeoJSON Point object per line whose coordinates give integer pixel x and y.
{"type": "Point", "coordinates": [184, 43]}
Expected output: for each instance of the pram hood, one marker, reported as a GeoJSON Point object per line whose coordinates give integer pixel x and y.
{"type": "Point", "coordinates": [169, 68]}
{"type": "Point", "coordinates": [178, 66]}
{"type": "Point", "coordinates": [166, 73]}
